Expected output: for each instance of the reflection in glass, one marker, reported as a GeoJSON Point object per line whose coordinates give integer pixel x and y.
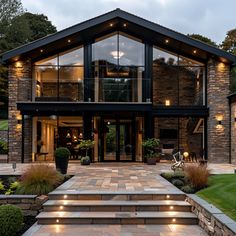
{"type": "Point", "coordinates": [46, 82]}
{"type": "Point", "coordinates": [118, 66]}
{"type": "Point", "coordinates": [74, 57]}
{"type": "Point", "coordinates": [71, 83]}
{"type": "Point", "coordinates": [175, 84]}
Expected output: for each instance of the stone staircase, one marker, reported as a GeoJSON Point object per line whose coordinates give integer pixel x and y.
{"type": "Point", "coordinates": [116, 208]}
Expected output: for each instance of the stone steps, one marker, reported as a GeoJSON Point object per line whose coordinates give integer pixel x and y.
{"type": "Point", "coordinates": [73, 207]}
{"type": "Point", "coordinates": [74, 195]}
{"type": "Point", "coordinates": [62, 217]}
{"type": "Point", "coordinates": [116, 205]}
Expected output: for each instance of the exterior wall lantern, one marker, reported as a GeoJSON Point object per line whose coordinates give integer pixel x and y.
{"type": "Point", "coordinates": [167, 102]}
{"type": "Point", "coordinates": [219, 118]}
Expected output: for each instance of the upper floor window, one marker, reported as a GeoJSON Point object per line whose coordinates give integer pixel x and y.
{"type": "Point", "coordinates": [177, 80]}
{"type": "Point", "coordinates": [60, 77]}
{"type": "Point", "coordinates": [118, 67]}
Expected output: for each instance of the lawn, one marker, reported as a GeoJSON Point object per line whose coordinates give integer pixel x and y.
{"type": "Point", "coordinates": [221, 193]}
{"type": "Point", "coordinates": [3, 124]}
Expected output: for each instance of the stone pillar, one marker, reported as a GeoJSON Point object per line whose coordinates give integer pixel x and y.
{"type": "Point", "coordinates": [19, 89]}
{"type": "Point", "coordinates": [218, 75]}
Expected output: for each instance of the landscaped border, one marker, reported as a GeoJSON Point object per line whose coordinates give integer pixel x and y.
{"type": "Point", "coordinates": [211, 219]}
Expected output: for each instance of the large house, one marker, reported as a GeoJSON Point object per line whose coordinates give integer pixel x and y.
{"type": "Point", "coordinates": [119, 79]}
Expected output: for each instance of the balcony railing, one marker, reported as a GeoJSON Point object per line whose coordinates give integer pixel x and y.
{"type": "Point", "coordinates": [110, 90]}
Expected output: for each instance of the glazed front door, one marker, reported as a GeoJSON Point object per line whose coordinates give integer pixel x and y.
{"type": "Point", "coordinates": [118, 143]}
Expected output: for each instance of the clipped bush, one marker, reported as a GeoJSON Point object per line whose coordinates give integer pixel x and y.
{"type": "Point", "coordinates": [11, 220]}
{"type": "Point", "coordinates": [62, 152]}
{"type": "Point", "coordinates": [197, 175]}
{"type": "Point", "coordinates": [188, 189]}
{"type": "Point", "coordinates": [177, 182]}
{"type": "Point", "coordinates": [167, 175]}
{"type": "Point", "coordinates": [39, 179]}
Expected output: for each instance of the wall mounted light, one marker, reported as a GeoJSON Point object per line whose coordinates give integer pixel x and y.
{"type": "Point", "coordinates": [219, 118]}
{"type": "Point", "coordinates": [167, 102]}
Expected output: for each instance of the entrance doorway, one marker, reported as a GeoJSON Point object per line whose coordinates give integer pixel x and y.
{"type": "Point", "coordinates": [118, 140]}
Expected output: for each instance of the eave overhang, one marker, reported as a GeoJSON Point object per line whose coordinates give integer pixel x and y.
{"type": "Point", "coordinates": [148, 31]}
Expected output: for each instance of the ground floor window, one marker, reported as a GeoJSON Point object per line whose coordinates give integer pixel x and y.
{"type": "Point", "coordinates": [117, 137]}
{"type": "Point", "coordinates": [185, 134]}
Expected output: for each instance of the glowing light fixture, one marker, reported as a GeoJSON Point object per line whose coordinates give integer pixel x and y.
{"type": "Point", "coordinates": [219, 118]}
{"type": "Point", "coordinates": [65, 196]}
{"type": "Point", "coordinates": [167, 102]}
{"type": "Point", "coordinates": [117, 54]}
{"type": "Point", "coordinates": [173, 220]}
{"type": "Point", "coordinates": [185, 154]}
{"type": "Point", "coordinates": [167, 196]}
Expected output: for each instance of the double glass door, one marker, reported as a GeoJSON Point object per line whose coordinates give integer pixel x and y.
{"type": "Point", "coordinates": [119, 141]}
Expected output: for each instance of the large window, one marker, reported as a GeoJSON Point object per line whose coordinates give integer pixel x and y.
{"type": "Point", "coordinates": [60, 77]}
{"type": "Point", "coordinates": [118, 66]}
{"type": "Point", "coordinates": [177, 80]}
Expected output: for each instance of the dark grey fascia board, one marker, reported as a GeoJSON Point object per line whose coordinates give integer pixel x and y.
{"type": "Point", "coordinates": [125, 16]}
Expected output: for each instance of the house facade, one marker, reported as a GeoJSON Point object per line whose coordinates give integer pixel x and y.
{"type": "Point", "coordinates": [119, 79]}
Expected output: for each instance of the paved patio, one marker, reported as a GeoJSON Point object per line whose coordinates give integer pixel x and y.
{"type": "Point", "coordinates": [116, 177]}
{"type": "Point", "coordinates": [115, 230]}
{"type": "Point", "coordinates": [75, 167]}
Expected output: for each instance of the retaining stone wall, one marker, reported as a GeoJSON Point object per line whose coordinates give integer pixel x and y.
{"type": "Point", "coordinates": [31, 205]}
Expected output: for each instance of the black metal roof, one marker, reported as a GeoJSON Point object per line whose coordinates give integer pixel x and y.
{"type": "Point", "coordinates": [137, 26]}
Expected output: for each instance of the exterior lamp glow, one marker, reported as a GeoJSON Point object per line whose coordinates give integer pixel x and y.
{"type": "Point", "coordinates": [167, 102]}
{"type": "Point", "coordinates": [185, 154]}
{"type": "Point", "coordinates": [219, 118]}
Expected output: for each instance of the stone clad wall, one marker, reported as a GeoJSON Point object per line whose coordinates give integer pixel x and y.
{"type": "Point", "coordinates": [19, 87]}
{"type": "Point", "coordinates": [218, 81]}
{"type": "Point", "coordinates": [31, 205]}
{"type": "Point", "coordinates": [233, 133]}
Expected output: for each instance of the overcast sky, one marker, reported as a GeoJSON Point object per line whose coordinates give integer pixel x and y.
{"type": "Point", "coordinates": [211, 18]}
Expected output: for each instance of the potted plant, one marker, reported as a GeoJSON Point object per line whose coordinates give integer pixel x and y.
{"type": "Point", "coordinates": [86, 145]}
{"type": "Point", "coordinates": [62, 155]}
{"type": "Point", "coordinates": [150, 146]}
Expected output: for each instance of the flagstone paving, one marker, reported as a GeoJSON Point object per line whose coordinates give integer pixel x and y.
{"type": "Point", "coordinates": [116, 230]}
{"type": "Point", "coordinates": [116, 178]}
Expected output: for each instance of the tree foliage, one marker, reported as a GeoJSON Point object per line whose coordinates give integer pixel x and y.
{"type": "Point", "coordinates": [18, 27]}
{"type": "Point", "coordinates": [229, 43]}
{"type": "Point", "coordinates": [203, 39]}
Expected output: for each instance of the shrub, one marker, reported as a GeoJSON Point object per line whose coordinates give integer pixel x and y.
{"type": "Point", "coordinates": [188, 189]}
{"type": "Point", "coordinates": [85, 160]}
{"type": "Point", "coordinates": [178, 182]}
{"type": "Point", "coordinates": [39, 179]}
{"type": "Point", "coordinates": [179, 174]}
{"type": "Point", "coordinates": [62, 152]}
{"type": "Point", "coordinates": [197, 175]}
{"type": "Point", "coordinates": [167, 175]}
{"type": "Point", "coordinates": [2, 187]}
{"type": "Point", "coordinates": [13, 187]}
{"type": "Point", "coordinates": [3, 147]}
{"type": "Point", "coordinates": [11, 220]}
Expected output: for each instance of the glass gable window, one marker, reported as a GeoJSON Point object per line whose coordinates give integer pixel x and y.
{"type": "Point", "coordinates": [118, 66]}
{"type": "Point", "coordinates": [177, 80]}
{"type": "Point", "coordinates": [60, 77]}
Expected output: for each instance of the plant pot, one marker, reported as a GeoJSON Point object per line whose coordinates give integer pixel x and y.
{"type": "Point", "coordinates": [151, 161]}
{"type": "Point", "coordinates": [85, 161]}
{"type": "Point", "coordinates": [62, 164]}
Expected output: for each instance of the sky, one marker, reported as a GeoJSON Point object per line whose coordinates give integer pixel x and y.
{"type": "Point", "coordinates": [211, 18]}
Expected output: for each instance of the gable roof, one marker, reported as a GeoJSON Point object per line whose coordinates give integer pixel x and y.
{"type": "Point", "coordinates": [150, 30]}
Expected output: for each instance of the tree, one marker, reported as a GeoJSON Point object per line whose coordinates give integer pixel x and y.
{"type": "Point", "coordinates": [17, 28]}
{"type": "Point", "coordinates": [229, 43]}
{"type": "Point", "coordinates": [8, 10]}
{"type": "Point", "coordinates": [203, 39]}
